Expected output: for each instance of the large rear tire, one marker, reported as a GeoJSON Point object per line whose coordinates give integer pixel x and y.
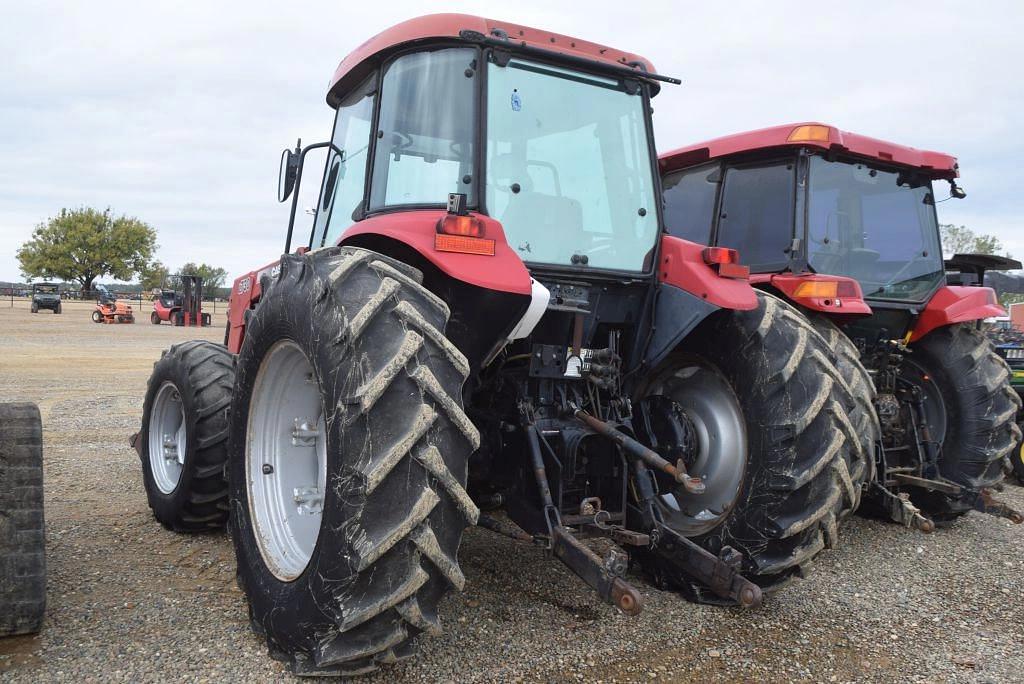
{"type": "Point", "coordinates": [972, 412]}
{"type": "Point", "coordinates": [343, 576]}
{"type": "Point", "coordinates": [22, 539]}
{"type": "Point", "coordinates": [800, 465]}
{"type": "Point", "coordinates": [863, 416]}
{"type": "Point", "coordinates": [184, 436]}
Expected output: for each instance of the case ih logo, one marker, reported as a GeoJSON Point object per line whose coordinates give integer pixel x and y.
{"type": "Point", "coordinates": [244, 285]}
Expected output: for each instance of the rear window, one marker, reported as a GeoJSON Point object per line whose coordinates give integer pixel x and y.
{"type": "Point", "coordinates": [756, 216]}
{"type": "Point", "coordinates": [690, 203]}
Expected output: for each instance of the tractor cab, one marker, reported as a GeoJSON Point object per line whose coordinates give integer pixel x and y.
{"type": "Point", "coordinates": [811, 199]}
{"type": "Point", "coordinates": [548, 135]}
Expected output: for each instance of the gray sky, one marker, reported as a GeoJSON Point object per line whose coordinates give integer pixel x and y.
{"type": "Point", "coordinates": [176, 112]}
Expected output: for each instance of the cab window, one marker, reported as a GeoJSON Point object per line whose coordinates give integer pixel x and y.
{"type": "Point", "coordinates": [342, 191]}
{"type": "Point", "coordinates": [424, 141]}
{"type": "Point", "coordinates": [690, 202]}
{"type": "Point", "coordinates": [756, 214]}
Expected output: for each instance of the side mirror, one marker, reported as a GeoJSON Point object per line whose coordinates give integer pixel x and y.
{"type": "Point", "coordinates": [288, 172]}
{"type": "Point", "coordinates": [956, 191]}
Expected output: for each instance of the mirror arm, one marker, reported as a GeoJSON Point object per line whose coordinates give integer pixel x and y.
{"type": "Point", "coordinates": [298, 186]}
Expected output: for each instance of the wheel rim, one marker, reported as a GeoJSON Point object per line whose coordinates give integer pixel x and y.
{"type": "Point", "coordinates": [721, 457]}
{"type": "Point", "coordinates": [167, 438]}
{"type": "Point", "coordinates": [286, 460]}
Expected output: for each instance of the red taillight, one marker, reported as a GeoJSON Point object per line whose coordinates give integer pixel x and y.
{"type": "Point", "coordinates": [466, 226]}
{"type": "Point", "coordinates": [726, 262]}
{"type": "Point", "coordinates": [720, 255]}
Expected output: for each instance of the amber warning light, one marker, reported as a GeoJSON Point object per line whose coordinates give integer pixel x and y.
{"type": "Point", "coordinates": [459, 231]}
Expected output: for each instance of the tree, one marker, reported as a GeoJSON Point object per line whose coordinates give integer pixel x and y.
{"type": "Point", "coordinates": [213, 277]}
{"type": "Point", "coordinates": [84, 244]}
{"type": "Point", "coordinates": [963, 240]}
{"type": "Point", "coordinates": [153, 276]}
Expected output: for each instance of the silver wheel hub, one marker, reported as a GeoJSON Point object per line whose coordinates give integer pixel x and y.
{"type": "Point", "coordinates": [721, 456]}
{"type": "Point", "coordinates": [167, 438]}
{"type": "Point", "coordinates": [286, 460]}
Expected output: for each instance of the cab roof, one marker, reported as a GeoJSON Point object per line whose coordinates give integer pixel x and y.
{"type": "Point", "coordinates": [361, 61]}
{"type": "Point", "coordinates": [814, 135]}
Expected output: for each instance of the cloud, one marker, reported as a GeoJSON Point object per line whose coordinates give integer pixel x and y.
{"type": "Point", "coordinates": [176, 112]}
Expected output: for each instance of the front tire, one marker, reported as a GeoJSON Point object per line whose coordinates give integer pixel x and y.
{"type": "Point", "coordinates": [347, 577]}
{"type": "Point", "coordinates": [975, 412]}
{"type": "Point", "coordinates": [800, 468]}
{"type": "Point", "coordinates": [184, 436]}
{"type": "Point", "coordinates": [154, 318]}
{"type": "Point", "coordinates": [97, 317]}
{"type": "Point", "coordinates": [35, 308]}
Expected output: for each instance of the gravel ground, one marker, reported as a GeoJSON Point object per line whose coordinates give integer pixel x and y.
{"type": "Point", "coordinates": [129, 601]}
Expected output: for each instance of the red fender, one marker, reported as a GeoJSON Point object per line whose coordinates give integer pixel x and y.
{"type": "Point", "coordinates": [682, 265]}
{"type": "Point", "coordinates": [953, 304]}
{"type": "Point", "coordinates": [504, 271]}
{"type": "Point", "coordinates": [851, 304]}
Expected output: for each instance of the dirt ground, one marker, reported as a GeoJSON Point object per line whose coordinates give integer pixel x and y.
{"type": "Point", "coordinates": [129, 601]}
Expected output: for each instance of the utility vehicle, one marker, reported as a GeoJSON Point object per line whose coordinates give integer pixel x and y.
{"type": "Point", "coordinates": [46, 296]}
{"type": "Point", "coordinates": [486, 314]}
{"type": "Point", "coordinates": [844, 227]}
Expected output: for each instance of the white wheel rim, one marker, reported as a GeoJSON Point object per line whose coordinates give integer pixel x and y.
{"type": "Point", "coordinates": [167, 438]}
{"type": "Point", "coordinates": [286, 460]}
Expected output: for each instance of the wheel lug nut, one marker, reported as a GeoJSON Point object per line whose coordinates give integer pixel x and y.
{"type": "Point", "coordinates": [267, 469]}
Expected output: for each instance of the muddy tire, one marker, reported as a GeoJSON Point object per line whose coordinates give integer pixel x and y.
{"type": "Point", "coordinates": [183, 441]}
{"type": "Point", "coordinates": [1016, 458]}
{"type": "Point", "coordinates": [364, 580]}
{"type": "Point", "coordinates": [801, 462]}
{"type": "Point", "coordinates": [861, 387]}
{"type": "Point", "coordinates": [979, 407]}
{"type": "Point", "coordinates": [22, 540]}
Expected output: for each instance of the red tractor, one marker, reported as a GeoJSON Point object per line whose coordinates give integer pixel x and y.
{"type": "Point", "coordinates": [488, 325]}
{"type": "Point", "coordinates": [844, 227]}
{"type": "Point", "coordinates": [182, 306]}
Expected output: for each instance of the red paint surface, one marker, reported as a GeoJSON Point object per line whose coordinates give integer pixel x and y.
{"type": "Point", "coordinates": [683, 266]}
{"type": "Point", "coordinates": [440, 26]}
{"type": "Point", "coordinates": [504, 271]}
{"type": "Point", "coordinates": [937, 164]}
{"type": "Point", "coordinates": [956, 304]}
{"type": "Point", "coordinates": [787, 283]}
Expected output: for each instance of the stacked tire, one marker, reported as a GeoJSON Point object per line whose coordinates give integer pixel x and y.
{"type": "Point", "coordinates": [22, 539]}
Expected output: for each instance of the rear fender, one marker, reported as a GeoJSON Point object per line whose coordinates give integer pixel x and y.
{"type": "Point", "coordinates": [682, 266]}
{"type": "Point", "coordinates": [689, 291]}
{"type": "Point", "coordinates": [953, 304]}
{"type": "Point", "coordinates": [788, 286]}
{"type": "Point", "coordinates": [504, 272]}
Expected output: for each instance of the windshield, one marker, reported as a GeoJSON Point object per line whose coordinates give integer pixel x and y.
{"type": "Point", "coordinates": [45, 289]}
{"type": "Point", "coordinates": [569, 168]}
{"type": "Point", "coordinates": [876, 226]}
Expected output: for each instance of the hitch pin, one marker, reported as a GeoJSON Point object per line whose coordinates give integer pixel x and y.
{"type": "Point", "coordinates": [693, 485]}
